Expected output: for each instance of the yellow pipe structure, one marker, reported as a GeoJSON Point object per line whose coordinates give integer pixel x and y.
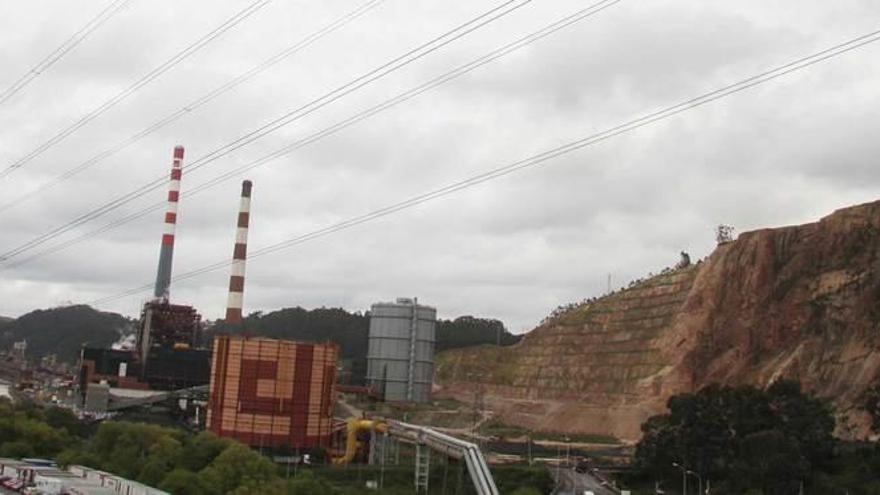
{"type": "Point", "coordinates": [356, 426]}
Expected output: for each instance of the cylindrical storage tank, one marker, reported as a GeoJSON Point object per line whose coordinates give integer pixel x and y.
{"type": "Point", "coordinates": [400, 354]}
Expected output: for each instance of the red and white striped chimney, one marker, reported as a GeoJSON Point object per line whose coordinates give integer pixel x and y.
{"type": "Point", "coordinates": [163, 274]}
{"type": "Point", "coordinates": [239, 255]}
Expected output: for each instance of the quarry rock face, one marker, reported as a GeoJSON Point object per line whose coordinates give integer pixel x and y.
{"type": "Point", "coordinates": [797, 302]}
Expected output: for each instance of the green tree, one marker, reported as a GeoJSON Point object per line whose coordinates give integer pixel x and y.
{"type": "Point", "coordinates": [525, 490]}
{"type": "Point", "coordinates": [659, 447]}
{"type": "Point", "coordinates": [718, 432]}
{"type": "Point", "coordinates": [803, 420]}
{"type": "Point", "coordinates": [236, 466]}
{"type": "Point", "coordinates": [76, 455]}
{"type": "Point", "coordinates": [771, 461]}
{"type": "Point", "coordinates": [201, 450]}
{"type": "Point", "coordinates": [182, 482]}
{"type": "Point", "coordinates": [124, 448]}
{"type": "Point", "coordinates": [16, 449]}
{"type": "Point", "coordinates": [305, 483]}
{"type": "Point", "coordinates": [61, 418]}
{"type": "Point", "coordinates": [163, 456]}
{"type": "Point", "coordinates": [872, 405]}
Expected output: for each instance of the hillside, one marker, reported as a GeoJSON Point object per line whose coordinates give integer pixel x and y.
{"type": "Point", "coordinates": [350, 331]}
{"type": "Point", "coordinates": [797, 302]}
{"type": "Point", "coordinates": [63, 330]}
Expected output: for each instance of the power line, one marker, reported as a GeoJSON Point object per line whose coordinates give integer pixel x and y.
{"type": "Point", "coordinates": [146, 79]}
{"type": "Point", "coordinates": [198, 102]}
{"type": "Point", "coordinates": [400, 98]}
{"type": "Point", "coordinates": [539, 158]}
{"type": "Point", "coordinates": [397, 63]}
{"type": "Point", "coordinates": [49, 60]}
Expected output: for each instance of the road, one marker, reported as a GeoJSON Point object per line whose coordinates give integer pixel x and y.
{"type": "Point", "coordinates": [570, 481]}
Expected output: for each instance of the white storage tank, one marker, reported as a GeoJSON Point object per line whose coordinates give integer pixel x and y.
{"type": "Point", "coordinates": [400, 354]}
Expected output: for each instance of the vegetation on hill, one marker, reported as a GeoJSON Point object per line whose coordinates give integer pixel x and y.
{"type": "Point", "coordinates": [350, 331]}
{"type": "Point", "coordinates": [872, 405]}
{"type": "Point", "coordinates": [753, 441]}
{"type": "Point", "coordinates": [63, 330]}
{"type": "Point", "coordinates": [466, 331]}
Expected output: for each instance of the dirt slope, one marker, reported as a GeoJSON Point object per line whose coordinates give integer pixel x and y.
{"type": "Point", "coordinates": [801, 302]}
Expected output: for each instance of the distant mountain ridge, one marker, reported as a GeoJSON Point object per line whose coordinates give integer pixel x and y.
{"type": "Point", "coordinates": [63, 330]}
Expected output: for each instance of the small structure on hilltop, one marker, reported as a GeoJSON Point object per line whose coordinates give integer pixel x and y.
{"type": "Point", "coordinates": [684, 262]}
{"type": "Point", "coordinates": [724, 234]}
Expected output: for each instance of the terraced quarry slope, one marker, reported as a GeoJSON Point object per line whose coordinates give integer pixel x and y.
{"type": "Point", "coordinates": [798, 302]}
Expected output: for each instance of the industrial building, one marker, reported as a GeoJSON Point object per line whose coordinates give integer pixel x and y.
{"type": "Point", "coordinates": [272, 393]}
{"type": "Point", "coordinates": [400, 356]}
{"type": "Point", "coordinates": [167, 354]}
{"type": "Point", "coordinates": [168, 334]}
{"type": "Point", "coordinates": [45, 478]}
{"type": "Point", "coordinates": [264, 392]}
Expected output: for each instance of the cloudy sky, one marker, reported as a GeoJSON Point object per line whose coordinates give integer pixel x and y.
{"type": "Point", "coordinates": [786, 152]}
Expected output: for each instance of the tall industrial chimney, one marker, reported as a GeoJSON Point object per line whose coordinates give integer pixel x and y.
{"type": "Point", "coordinates": [163, 274]}
{"type": "Point", "coordinates": [239, 254]}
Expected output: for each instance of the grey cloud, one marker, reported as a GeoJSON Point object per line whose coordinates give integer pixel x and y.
{"type": "Point", "coordinates": [787, 152]}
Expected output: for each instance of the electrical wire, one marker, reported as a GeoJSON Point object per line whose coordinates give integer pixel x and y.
{"type": "Point", "coordinates": [228, 24]}
{"type": "Point", "coordinates": [405, 96]}
{"type": "Point", "coordinates": [397, 63]}
{"type": "Point", "coordinates": [197, 103]}
{"type": "Point", "coordinates": [51, 59]}
{"type": "Point", "coordinates": [534, 160]}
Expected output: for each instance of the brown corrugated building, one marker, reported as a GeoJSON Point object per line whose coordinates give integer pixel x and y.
{"type": "Point", "coordinates": [272, 393]}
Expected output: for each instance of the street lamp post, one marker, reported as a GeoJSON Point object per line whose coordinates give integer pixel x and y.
{"type": "Point", "coordinates": [558, 465]}
{"type": "Point", "coordinates": [567, 451]}
{"type": "Point", "coordinates": [699, 478]}
{"type": "Point", "coordinates": [684, 477]}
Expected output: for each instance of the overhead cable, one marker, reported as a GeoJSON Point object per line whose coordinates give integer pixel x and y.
{"type": "Point", "coordinates": [195, 104]}
{"type": "Point", "coordinates": [51, 59]}
{"type": "Point", "coordinates": [535, 160]}
{"type": "Point", "coordinates": [397, 63]}
{"type": "Point", "coordinates": [140, 83]}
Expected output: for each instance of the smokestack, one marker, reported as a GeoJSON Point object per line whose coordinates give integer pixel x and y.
{"type": "Point", "coordinates": [239, 254]}
{"type": "Point", "coordinates": [163, 274]}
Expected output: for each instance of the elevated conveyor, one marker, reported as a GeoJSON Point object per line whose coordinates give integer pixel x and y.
{"type": "Point", "coordinates": [422, 436]}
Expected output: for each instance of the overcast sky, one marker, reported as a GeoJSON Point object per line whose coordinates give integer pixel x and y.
{"type": "Point", "coordinates": [787, 152]}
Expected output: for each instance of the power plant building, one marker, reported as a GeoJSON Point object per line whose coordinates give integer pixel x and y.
{"type": "Point", "coordinates": [167, 355]}
{"type": "Point", "coordinates": [272, 393]}
{"type": "Point", "coordinates": [400, 354]}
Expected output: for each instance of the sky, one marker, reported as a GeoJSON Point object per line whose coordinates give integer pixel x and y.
{"type": "Point", "coordinates": [786, 152]}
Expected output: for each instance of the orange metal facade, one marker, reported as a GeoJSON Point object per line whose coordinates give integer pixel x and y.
{"type": "Point", "coordinates": [272, 393]}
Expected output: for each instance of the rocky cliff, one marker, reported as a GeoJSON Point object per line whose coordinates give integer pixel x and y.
{"type": "Point", "coordinates": [797, 302]}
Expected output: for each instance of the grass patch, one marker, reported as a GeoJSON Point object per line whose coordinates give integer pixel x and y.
{"type": "Point", "coordinates": [500, 429]}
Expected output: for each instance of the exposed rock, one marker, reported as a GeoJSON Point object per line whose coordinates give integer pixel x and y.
{"type": "Point", "coordinates": [796, 302]}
